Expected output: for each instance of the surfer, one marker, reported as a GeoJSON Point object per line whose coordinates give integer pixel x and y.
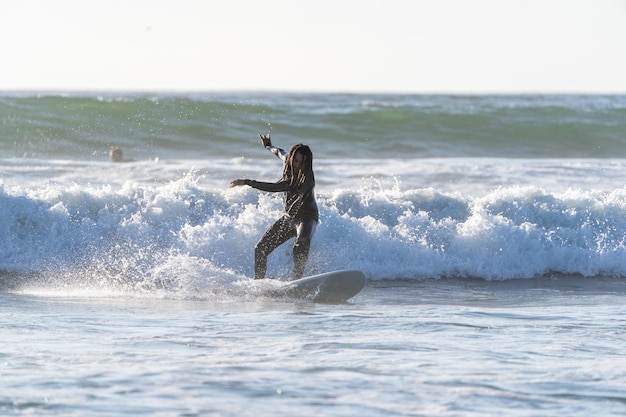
{"type": "Point", "coordinates": [116, 155]}
{"type": "Point", "coordinates": [301, 214]}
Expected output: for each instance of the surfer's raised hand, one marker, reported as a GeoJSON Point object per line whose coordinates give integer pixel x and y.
{"type": "Point", "coordinates": [265, 140]}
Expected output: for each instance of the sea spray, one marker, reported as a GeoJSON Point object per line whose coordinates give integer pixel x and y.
{"type": "Point", "coordinates": [180, 233]}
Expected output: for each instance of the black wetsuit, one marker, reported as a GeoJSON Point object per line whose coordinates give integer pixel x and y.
{"type": "Point", "coordinates": [300, 221]}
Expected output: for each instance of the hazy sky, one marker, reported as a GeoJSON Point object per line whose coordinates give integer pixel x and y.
{"type": "Point", "coordinates": [457, 46]}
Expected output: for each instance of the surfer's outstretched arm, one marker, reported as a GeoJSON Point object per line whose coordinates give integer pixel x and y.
{"type": "Point", "coordinates": [266, 141]}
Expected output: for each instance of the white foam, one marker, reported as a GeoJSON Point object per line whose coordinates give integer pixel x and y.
{"type": "Point", "coordinates": [192, 233]}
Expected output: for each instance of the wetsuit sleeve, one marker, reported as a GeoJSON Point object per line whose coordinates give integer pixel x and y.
{"type": "Point", "coordinates": [272, 187]}
{"type": "Point", "coordinates": [279, 152]}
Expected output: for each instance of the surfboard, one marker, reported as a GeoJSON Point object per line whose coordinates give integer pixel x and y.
{"type": "Point", "coordinates": [330, 287]}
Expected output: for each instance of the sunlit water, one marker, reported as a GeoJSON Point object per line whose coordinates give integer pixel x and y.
{"type": "Point", "coordinates": [491, 230]}
{"type": "Point", "coordinates": [440, 348]}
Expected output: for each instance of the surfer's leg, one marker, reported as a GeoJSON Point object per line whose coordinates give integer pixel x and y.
{"type": "Point", "coordinates": [276, 235]}
{"type": "Point", "coordinates": [304, 234]}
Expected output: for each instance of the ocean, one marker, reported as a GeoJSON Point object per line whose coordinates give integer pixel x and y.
{"type": "Point", "coordinates": [491, 230]}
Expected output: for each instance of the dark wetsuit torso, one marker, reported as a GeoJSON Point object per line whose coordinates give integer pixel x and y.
{"type": "Point", "coordinates": [299, 200]}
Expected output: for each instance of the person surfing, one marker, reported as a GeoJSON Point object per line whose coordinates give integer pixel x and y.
{"type": "Point", "coordinates": [301, 213]}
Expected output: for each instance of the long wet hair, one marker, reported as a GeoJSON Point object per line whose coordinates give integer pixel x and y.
{"type": "Point", "coordinates": [307, 170]}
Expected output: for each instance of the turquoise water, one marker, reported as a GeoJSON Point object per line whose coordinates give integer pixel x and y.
{"type": "Point", "coordinates": [203, 126]}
